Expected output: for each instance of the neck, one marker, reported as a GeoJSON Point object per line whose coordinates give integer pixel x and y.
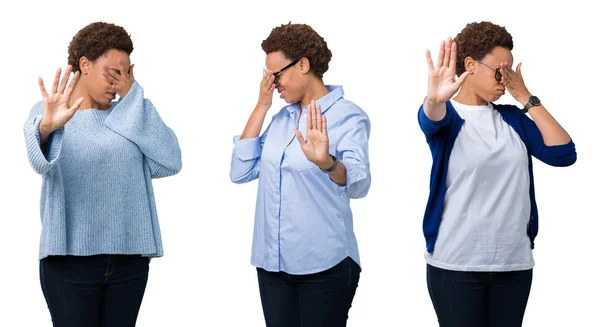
{"type": "Point", "coordinates": [467, 96]}
{"type": "Point", "coordinates": [80, 92]}
{"type": "Point", "coordinates": [315, 91]}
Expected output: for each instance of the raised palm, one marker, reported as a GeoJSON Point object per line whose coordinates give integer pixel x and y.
{"type": "Point", "coordinates": [316, 144]}
{"type": "Point", "coordinates": [56, 111]}
{"type": "Point", "coordinates": [442, 82]}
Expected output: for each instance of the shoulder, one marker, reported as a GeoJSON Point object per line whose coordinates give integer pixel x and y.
{"type": "Point", "coordinates": [348, 108]}
{"type": "Point", "coordinates": [508, 109]}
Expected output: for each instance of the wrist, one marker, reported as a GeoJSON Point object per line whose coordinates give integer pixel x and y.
{"type": "Point", "coordinates": [262, 107]}
{"type": "Point", "coordinates": [430, 102]}
{"type": "Point", "coordinates": [524, 99]}
{"type": "Point", "coordinates": [326, 163]}
{"type": "Point", "coordinates": [45, 128]}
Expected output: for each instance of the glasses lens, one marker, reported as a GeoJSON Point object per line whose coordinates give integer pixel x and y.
{"type": "Point", "coordinates": [276, 78]}
{"type": "Point", "coordinates": [498, 75]}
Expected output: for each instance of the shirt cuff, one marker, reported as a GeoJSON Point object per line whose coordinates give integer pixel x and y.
{"type": "Point", "coordinates": [246, 149]}
{"type": "Point", "coordinates": [353, 176]}
{"type": "Point", "coordinates": [53, 144]}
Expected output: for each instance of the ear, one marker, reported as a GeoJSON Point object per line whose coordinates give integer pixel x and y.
{"type": "Point", "coordinates": [304, 65]}
{"type": "Point", "coordinates": [84, 65]}
{"type": "Point", "coordinates": [470, 65]}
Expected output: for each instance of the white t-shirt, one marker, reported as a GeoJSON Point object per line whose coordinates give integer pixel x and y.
{"type": "Point", "coordinates": [487, 205]}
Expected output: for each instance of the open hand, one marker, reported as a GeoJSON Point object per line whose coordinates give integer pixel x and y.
{"type": "Point", "coordinates": [56, 111]}
{"type": "Point", "coordinates": [442, 82]}
{"type": "Point", "coordinates": [316, 144]}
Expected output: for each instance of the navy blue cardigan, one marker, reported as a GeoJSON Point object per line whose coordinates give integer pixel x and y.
{"type": "Point", "coordinates": [440, 136]}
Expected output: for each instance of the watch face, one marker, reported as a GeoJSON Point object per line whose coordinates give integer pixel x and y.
{"type": "Point", "coordinates": [534, 100]}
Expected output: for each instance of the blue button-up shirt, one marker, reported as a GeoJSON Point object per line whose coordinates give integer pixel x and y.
{"type": "Point", "coordinates": [303, 222]}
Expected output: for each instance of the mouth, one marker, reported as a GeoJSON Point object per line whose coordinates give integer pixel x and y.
{"type": "Point", "coordinates": [281, 93]}
{"type": "Point", "coordinates": [501, 91]}
{"type": "Point", "coordinates": [111, 95]}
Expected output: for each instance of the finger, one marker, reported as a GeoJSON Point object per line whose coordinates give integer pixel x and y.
{"type": "Point", "coordinates": [42, 88]}
{"type": "Point", "coordinates": [272, 89]}
{"type": "Point", "coordinates": [313, 112]}
{"type": "Point", "coordinates": [447, 49]}
{"type": "Point", "coordinates": [65, 78]}
{"type": "Point", "coordinates": [271, 81]}
{"type": "Point", "coordinates": [309, 124]}
{"type": "Point", "coordinates": [109, 77]}
{"type": "Point", "coordinates": [299, 137]}
{"type": "Point", "coordinates": [318, 120]}
{"type": "Point", "coordinates": [55, 82]}
{"type": "Point", "coordinates": [429, 61]}
{"type": "Point", "coordinates": [266, 79]}
{"type": "Point", "coordinates": [72, 84]}
{"type": "Point", "coordinates": [121, 66]}
{"type": "Point", "coordinates": [519, 69]}
{"type": "Point", "coordinates": [111, 73]}
{"type": "Point", "coordinates": [130, 72]}
{"type": "Point", "coordinates": [325, 125]}
{"type": "Point", "coordinates": [453, 56]}
{"type": "Point", "coordinates": [440, 60]}
{"type": "Point", "coordinates": [76, 105]}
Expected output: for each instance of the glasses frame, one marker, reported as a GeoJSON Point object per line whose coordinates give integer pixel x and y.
{"type": "Point", "coordinates": [277, 73]}
{"type": "Point", "coordinates": [497, 75]}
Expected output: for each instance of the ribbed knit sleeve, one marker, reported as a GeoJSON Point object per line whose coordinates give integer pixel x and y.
{"type": "Point", "coordinates": [136, 119]}
{"type": "Point", "coordinates": [41, 160]}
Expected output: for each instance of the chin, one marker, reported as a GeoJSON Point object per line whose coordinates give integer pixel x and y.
{"type": "Point", "coordinates": [494, 98]}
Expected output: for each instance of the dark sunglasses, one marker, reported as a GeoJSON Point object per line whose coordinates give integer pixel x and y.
{"type": "Point", "coordinates": [498, 75]}
{"type": "Point", "coordinates": [276, 74]}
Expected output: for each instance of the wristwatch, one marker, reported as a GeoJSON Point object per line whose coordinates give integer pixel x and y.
{"type": "Point", "coordinates": [533, 101]}
{"type": "Point", "coordinates": [333, 166]}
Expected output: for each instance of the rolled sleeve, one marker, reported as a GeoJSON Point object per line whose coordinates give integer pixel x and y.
{"type": "Point", "coordinates": [246, 149]}
{"type": "Point", "coordinates": [353, 149]}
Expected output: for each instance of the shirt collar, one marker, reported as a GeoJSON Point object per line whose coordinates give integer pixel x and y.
{"type": "Point", "coordinates": [336, 92]}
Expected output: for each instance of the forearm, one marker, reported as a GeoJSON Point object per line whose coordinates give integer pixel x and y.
{"type": "Point", "coordinates": [255, 123]}
{"type": "Point", "coordinates": [339, 174]}
{"type": "Point", "coordinates": [434, 111]}
{"type": "Point", "coordinates": [552, 132]}
{"type": "Point", "coordinates": [44, 133]}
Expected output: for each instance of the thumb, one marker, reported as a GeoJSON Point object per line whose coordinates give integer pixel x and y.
{"type": "Point", "coordinates": [299, 137]}
{"type": "Point", "coordinates": [462, 78]}
{"type": "Point", "coordinates": [76, 105]}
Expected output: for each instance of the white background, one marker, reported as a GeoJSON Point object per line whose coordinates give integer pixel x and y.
{"type": "Point", "coordinates": [201, 65]}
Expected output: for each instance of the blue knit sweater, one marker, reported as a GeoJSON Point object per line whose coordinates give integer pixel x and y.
{"type": "Point", "coordinates": [97, 195]}
{"type": "Point", "coordinates": [440, 136]}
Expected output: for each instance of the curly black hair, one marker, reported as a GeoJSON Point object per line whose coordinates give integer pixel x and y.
{"type": "Point", "coordinates": [95, 40]}
{"type": "Point", "coordinates": [300, 40]}
{"type": "Point", "coordinates": [477, 40]}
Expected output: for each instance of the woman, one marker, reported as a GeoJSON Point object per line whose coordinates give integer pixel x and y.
{"type": "Point", "coordinates": [481, 217]}
{"type": "Point", "coordinates": [304, 247]}
{"type": "Point", "coordinates": [97, 158]}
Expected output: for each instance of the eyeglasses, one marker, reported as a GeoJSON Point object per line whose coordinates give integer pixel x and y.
{"type": "Point", "coordinates": [498, 75]}
{"type": "Point", "coordinates": [276, 74]}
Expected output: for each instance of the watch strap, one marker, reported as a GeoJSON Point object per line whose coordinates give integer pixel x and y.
{"type": "Point", "coordinates": [333, 166]}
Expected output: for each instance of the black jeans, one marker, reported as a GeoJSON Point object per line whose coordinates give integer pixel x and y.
{"type": "Point", "coordinates": [94, 291]}
{"type": "Point", "coordinates": [479, 299]}
{"type": "Point", "coordinates": [314, 300]}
